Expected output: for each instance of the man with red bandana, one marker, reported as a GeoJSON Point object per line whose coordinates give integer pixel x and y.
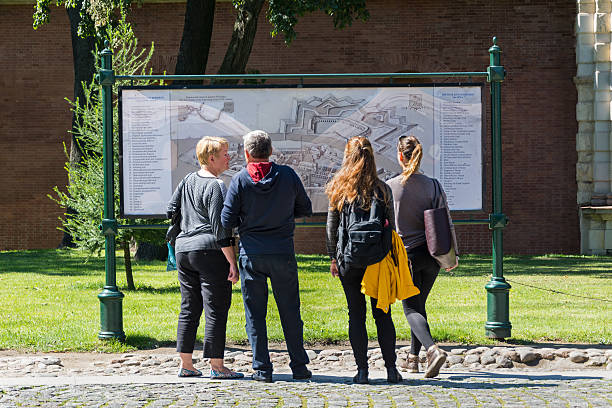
{"type": "Point", "coordinates": [263, 201]}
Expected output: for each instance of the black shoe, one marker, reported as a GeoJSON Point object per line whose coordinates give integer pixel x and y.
{"type": "Point", "coordinates": [393, 376]}
{"type": "Point", "coordinates": [361, 377]}
{"type": "Point", "coordinates": [263, 376]}
{"type": "Point", "coordinates": [303, 374]}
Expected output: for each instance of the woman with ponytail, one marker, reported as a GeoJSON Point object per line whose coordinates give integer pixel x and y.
{"type": "Point", "coordinates": [413, 193]}
{"type": "Point", "coordinates": [356, 185]}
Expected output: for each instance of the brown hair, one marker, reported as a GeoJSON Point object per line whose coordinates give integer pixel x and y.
{"type": "Point", "coordinates": [209, 146]}
{"type": "Point", "coordinates": [356, 179]}
{"type": "Point", "coordinates": [412, 153]}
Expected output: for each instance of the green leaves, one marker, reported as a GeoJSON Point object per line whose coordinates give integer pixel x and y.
{"type": "Point", "coordinates": [284, 14]}
{"type": "Point", "coordinates": [41, 12]}
{"type": "Point", "coordinates": [96, 15]}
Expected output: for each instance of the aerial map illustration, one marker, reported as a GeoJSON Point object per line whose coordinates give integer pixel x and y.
{"type": "Point", "coordinates": [311, 140]}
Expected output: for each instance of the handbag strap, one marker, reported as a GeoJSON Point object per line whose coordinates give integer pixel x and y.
{"type": "Point", "coordinates": [181, 185]}
{"type": "Point", "coordinates": [437, 201]}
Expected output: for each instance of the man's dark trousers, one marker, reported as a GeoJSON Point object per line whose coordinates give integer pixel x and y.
{"type": "Point", "coordinates": [282, 271]}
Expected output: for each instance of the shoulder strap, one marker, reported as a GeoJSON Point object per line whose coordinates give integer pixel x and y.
{"type": "Point", "coordinates": [437, 200]}
{"type": "Point", "coordinates": [378, 202]}
{"type": "Point", "coordinates": [180, 187]}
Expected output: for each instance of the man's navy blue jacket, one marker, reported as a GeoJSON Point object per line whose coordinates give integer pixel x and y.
{"type": "Point", "coordinates": [265, 212]}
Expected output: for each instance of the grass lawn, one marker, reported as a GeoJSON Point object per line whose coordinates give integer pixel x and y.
{"type": "Point", "coordinates": [48, 302]}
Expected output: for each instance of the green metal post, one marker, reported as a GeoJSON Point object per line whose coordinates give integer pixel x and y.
{"type": "Point", "coordinates": [498, 323]}
{"type": "Point", "coordinates": [111, 308]}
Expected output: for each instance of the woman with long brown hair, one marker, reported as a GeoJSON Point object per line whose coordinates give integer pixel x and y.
{"type": "Point", "coordinates": [356, 185]}
{"type": "Point", "coordinates": [413, 193]}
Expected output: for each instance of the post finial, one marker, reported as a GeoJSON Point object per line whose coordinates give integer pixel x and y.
{"type": "Point", "coordinates": [107, 49]}
{"type": "Point", "coordinates": [494, 49]}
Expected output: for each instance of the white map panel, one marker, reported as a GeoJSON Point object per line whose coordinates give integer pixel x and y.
{"type": "Point", "coordinates": [309, 128]}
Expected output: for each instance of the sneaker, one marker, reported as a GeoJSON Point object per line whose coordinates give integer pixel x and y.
{"type": "Point", "coordinates": [264, 376]}
{"type": "Point", "coordinates": [435, 360]}
{"type": "Point", "coordinates": [303, 374]}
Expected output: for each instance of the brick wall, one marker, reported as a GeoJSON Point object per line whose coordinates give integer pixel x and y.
{"type": "Point", "coordinates": [539, 98]}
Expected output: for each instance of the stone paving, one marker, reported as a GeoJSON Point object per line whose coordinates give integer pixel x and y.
{"type": "Point", "coordinates": [473, 377]}
{"type": "Point", "coordinates": [464, 389]}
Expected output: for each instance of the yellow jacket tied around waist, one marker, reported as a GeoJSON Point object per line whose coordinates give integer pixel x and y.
{"type": "Point", "coordinates": [390, 279]}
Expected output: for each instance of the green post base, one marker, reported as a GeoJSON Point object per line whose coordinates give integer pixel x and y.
{"type": "Point", "coordinates": [111, 314]}
{"type": "Point", "coordinates": [498, 324]}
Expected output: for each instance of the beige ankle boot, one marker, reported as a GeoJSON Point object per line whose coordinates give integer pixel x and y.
{"type": "Point", "coordinates": [435, 359]}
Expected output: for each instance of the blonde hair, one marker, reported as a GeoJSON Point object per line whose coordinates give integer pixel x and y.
{"type": "Point", "coordinates": [356, 179]}
{"type": "Point", "coordinates": [209, 146]}
{"type": "Point", "coordinates": [412, 152]}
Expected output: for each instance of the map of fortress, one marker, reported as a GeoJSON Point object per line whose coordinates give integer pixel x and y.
{"type": "Point", "coordinates": [311, 141]}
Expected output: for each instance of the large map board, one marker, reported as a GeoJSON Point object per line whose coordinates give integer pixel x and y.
{"type": "Point", "coordinates": [309, 127]}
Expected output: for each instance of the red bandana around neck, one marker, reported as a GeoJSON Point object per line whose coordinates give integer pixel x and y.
{"type": "Point", "coordinates": [259, 170]}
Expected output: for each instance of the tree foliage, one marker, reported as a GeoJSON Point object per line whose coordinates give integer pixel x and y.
{"type": "Point", "coordinates": [284, 14]}
{"type": "Point", "coordinates": [85, 190]}
{"type": "Point", "coordinates": [96, 15]}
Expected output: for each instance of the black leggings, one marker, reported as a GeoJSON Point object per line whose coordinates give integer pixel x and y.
{"type": "Point", "coordinates": [358, 335]}
{"type": "Point", "coordinates": [203, 279]}
{"type": "Point", "coordinates": [424, 270]}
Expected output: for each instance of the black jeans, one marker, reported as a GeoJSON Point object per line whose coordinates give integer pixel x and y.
{"type": "Point", "coordinates": [358, 335]}
{"type": "Point", "coordinates": [203, 280]}
{"type": "Point", "coordinates": [282, 271]}
{"type": "Point", "coordinates": [424, 271]}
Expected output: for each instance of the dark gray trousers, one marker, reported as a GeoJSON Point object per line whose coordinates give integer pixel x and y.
{"type": "Point", "coordinates": [203, 280]}
{"type": "Point", "coordinates": [424, 271]}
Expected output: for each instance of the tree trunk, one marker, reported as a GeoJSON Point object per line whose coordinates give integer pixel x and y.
{"type": "Point", "coordinates": [195, 43]}
{"type": "Point", "coordinates": [243, 36]}
{"type": "Point", "coordinates": [84, 69]}
{"type": "Point", "coordinates": [129, 277]}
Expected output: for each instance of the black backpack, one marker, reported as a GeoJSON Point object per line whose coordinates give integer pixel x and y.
{"type": "Point", "coordinates": [363, 238]}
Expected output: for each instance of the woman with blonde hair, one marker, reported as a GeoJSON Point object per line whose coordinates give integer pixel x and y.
{"type": "Point", "coordinates": [413, 193]}
{"type": "Point", "coordinates": [356, 186]}
{"type": "Point", "coordinates": [205, 259]}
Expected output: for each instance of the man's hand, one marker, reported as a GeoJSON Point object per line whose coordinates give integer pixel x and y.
{"type": "Point", "coordinates": [233, 274]}
{"type": "Point", "coordinates": [333, 268]}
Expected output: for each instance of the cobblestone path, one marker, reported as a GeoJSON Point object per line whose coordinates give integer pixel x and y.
{"type": "Point", "coordinates": [453, 390]}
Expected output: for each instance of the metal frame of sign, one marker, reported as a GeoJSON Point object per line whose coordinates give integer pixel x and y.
{"type": "Point", "coordinates": [123, 214]}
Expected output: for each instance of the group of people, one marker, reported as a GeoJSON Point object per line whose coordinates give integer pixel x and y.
{"type": "Point", "coordinates": [262, 202]}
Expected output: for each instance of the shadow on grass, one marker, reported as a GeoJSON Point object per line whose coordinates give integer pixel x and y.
{"type": "Point", "coordinates": [76, 263]}
{"type": "Point", "coordinates": [594, 266]}
{"type": "Point", "coordinates": [153, 290]}
{"type": "Point", "coordinates": [45, 262]}
{"type": "Point", "coordinates": [176, 289]}
{"type": "Point", "coordinates": [142, 342]}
